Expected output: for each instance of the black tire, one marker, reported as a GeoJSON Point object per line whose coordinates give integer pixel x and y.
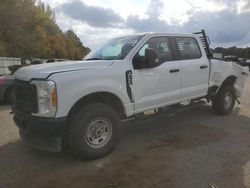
{"type": "Point", "coordinates": [223, 103]}
{"type": "Point", "coordinates": [82, 129]}
{"type": "Point", "coordinates": [8, 97]}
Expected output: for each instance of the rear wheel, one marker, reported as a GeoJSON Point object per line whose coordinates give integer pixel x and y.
{"type": "Point", "coordinates": [223, 103]}
{"type": "Point", "coordinates": [94, 131]}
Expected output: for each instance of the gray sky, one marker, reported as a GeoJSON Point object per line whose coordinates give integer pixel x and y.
{"type": "Point", "coordinates": [227, 22]}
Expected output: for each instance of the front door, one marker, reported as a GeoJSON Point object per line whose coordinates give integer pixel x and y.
{"type": "Point", "coordinates": [157, 86]}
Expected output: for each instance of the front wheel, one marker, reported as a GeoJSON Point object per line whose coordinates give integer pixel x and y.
{"type": "Point", "coordinates": [223, 103]}
{"type": "Point", "coordinates": [94, 131]}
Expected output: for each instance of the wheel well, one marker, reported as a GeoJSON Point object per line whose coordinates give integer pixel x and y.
{"type": "Point", "coordinates": [101, 97]}
{"type": "Point", "coordinates": [229, 81]}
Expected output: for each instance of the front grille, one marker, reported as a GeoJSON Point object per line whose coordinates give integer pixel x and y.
{"type": "Point", "coordinates": [25, 96]}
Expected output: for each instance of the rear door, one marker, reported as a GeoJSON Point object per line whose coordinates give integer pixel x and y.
{"type": "Point", "coordinates": [194, 68]}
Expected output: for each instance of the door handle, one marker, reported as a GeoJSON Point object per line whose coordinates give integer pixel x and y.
{"type": "Point", "coordinates": [174, 70]}
{"type": "Point", "coordinates": [203, 67]}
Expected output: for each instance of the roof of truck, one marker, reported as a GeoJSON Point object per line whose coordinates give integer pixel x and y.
{"type": "Point", "coordinates": [169, 34]}
{"type": "Point", "coordinates": [160, 33]}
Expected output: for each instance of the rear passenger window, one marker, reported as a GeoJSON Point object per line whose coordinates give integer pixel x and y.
{"type": "Point", "coordinates": [188, 48]}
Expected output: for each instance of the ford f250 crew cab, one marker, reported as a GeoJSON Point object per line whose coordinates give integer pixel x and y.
{"type": "Point", "coordinates": [82, 103]}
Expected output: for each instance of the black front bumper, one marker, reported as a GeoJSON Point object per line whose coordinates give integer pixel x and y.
{"type": "Point", "coordinates": [40, 132]}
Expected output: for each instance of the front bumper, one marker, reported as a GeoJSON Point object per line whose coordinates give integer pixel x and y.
{"type": "Point", "coordinates": [39, 132]}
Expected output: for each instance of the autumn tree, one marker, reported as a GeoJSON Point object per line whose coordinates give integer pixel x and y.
{"type": "Point", "coordinates": [75, 48]}
{"type": "Point", "coordinates": [28, 29]}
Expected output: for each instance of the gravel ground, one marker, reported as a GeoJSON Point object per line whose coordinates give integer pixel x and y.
{"type": "Point", "coordinates": [192, 149]}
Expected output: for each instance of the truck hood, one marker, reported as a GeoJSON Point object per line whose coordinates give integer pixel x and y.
{"type": "Point", "coordinates": [45, 70]}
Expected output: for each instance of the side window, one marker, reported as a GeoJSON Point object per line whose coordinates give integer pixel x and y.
{"type": "Point", "coordinates": [162, 47]}
{"type": "Point", "coordinates": [188, 48]}
{"type": "Point", "coordinates": [142, 50]}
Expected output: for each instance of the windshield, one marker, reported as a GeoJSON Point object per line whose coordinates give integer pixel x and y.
{"type": "Point", "coordinates": [114, 49]}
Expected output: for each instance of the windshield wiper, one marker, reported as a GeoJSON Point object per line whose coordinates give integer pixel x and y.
{"type": "Point", "coordinates": [95, 58]}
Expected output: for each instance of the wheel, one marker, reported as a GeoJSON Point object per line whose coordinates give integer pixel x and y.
{"type": "Point", "coordinates": [223, 102]}
{"type": "Point", "coordinates": [94, 131]}
{"type": "Point", "coordinates": [9, 95]}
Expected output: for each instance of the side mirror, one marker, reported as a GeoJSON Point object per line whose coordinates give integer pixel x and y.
{"type": "Point", "coordinates": [151, 57]}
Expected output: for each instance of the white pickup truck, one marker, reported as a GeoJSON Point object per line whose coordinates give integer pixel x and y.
{"type": "Point", "coordinates": [82, 103]}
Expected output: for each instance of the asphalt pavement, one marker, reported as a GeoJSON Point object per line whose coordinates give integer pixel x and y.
{"type": "Point", "coordinates": [194, 149]}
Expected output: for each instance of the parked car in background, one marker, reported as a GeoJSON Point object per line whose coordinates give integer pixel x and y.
{"type": "Point", "coordinates": [233, 58]}
{"type": "Point", "coordinates": [55, 60]}
{"type": "Point", "coordinates": [32, 61]}
{"type": "Point", "coordinates": [248, 63]}
{"type": "Point", "coordinates": [24, 63]}
{"type": "Point", "coordinates": [6, 90]}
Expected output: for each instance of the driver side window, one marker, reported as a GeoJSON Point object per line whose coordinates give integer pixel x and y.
{"type": "Point", "coordinates": [160, 45]}
{"type": "Point", "coordinates": [142, 50]}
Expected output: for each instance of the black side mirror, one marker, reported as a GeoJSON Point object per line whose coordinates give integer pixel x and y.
{"type": "Point", "coordinates": [151, 57]}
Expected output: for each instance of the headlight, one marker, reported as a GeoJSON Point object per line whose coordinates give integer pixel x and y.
{"type": "Point", "coordinates": [46, 98]}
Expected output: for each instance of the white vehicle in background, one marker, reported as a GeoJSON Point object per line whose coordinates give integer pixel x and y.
{"type": "Point", "coordinates": [248, 63]}
{"type": "Point", "coordinates": [83, 103]}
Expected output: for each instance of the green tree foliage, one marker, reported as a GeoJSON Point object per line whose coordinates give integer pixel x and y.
{"type": "Point", "coordinates": [28, 29]}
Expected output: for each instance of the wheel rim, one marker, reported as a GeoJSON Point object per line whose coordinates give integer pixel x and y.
{"type": "Point", "coordinates": [98, 132]}
{"type": "Point", "coordinates": [228, 100]}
